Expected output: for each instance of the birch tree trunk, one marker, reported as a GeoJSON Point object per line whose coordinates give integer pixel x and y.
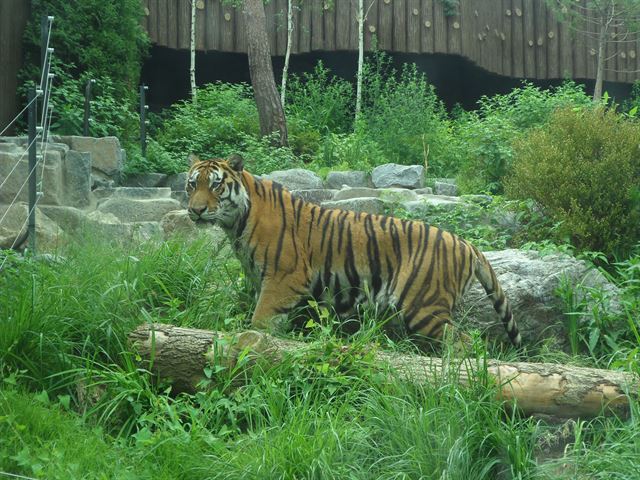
{"type": "Point", "coordinates": [270, 112]}
{"type": "Point", "coordinates": [192, 46]}
{"type": "Point", "coordinates": [181, 355]}
{"type": "Point", "coordinates": [360, 58]}
{"type": "Point", "coordinates": [285, 69]}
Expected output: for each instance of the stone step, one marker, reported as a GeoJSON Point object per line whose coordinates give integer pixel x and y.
{"type": "Point", "coordinates": [133, 193]}
{"type": "Point", "coordinates": [138, 210]}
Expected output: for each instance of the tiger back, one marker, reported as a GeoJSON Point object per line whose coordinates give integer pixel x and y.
{"type": "Point", "coordinates": [293, 250]}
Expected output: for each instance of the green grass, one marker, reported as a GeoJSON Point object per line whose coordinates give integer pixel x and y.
{"type": "Point", "coordinates": [75, 404]}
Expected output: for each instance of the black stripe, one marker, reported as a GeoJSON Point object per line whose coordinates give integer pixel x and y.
{"type": "Point", "coordinates": [282, 230]}
{"type": "Point", "coordinates": [341, 223]}
{"type": "Point", "coordinates": [373, 254]}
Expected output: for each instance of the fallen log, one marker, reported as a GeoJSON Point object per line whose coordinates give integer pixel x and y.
{"type": "Point", "coordinates": [180, 355]}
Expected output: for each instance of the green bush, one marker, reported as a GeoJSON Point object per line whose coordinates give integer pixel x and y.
{"type": "Point", "coordinates": [402, 113]}
{"type": "Point", "coordinates": [352, 151]}
{"type": "Point", "coordinates": [323, 101]}
{"type": "Point", "coordinates": [487, 135]}
{"type": "Point", "coordinates": [583, 169]}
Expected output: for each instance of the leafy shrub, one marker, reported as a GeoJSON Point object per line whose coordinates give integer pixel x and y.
{"type": "Point", "coordinates": [323, 101]}
{"type": "Point", "coordinates": [353, 151]}
{"type": "Point", "coordinates": [583, 170]}
{"type": "Point", "coordinates": [487, 135]}
{"type": "Point", "coordinates": [219, 121]}
{"type": "Point", "coordinates": [402, 113]}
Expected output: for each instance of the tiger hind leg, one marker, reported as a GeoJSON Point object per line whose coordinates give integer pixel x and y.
{"type": "Point", "coordinates": [433, 328]}
{"type": "Point", "coordinates": [275, 302]}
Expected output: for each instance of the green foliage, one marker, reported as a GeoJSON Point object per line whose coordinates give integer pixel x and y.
{"type": "Point", "coordinates": [323, 101]}
{"type": "Point", "coordinates": [402, 113]}
{"type": "Point", "coordinates": [101, 39]}
{"type": "Point", "coordinates": [488, 134]}
{"type": "Point", "coordinates": [582, 170]}
{"type": "Point", "coordinates": [352, 151]}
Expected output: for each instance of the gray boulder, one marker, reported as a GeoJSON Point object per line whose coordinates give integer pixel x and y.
{"type": "Point", "coordinates": [177, 222]}
{"type": "Point", "coordinates": [145, 180]}
{"type": "Point", "coordinates": [431, 204]}
{"type": "Point", "coordinates": [107, 157]}
{"type": "Point", "coordinates": [394, 175]}
{"type": "Point", "coordinates": [296, 179]}
{"type": "Point", "coordinates": [130, 210]}
{"type": "Point", "coordinates": [531, 280]}
{"type": "Point", "coordinates": [49, 236]}
{"type": "Point", "coordinates": [448, 189]}
{"type": "Point", "coordinates": [351, 178]}
{"type": "Point", "coordinates": [177, 182]}
{"type": "Point", "coordinates": [77, 179]}
{"type": "Point", "coordinates": [316, 196]}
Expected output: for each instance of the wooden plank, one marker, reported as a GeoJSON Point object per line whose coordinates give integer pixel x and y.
{"type": "Point", "coordinates": [505, 38]}
{"type": "Point", "coordinates": [317, 25]}
{"type": "Point", "coordinates": [592, 50]}
{"type": "Point", "coordinates": [579, 48]}
{"type": "Point", "coordinates": [184, 24]}
{"type": "Point", "coordinates": [439, 28]}
{"type": "Point", "coordinates": [565, 44]}
{"type": "Point", "coordinates": [161, 34]}
{"type": "Point", "coordinates": [495, 30]}
{"type": "Point", "coordinates": [485, 48]}
{"type": "Point", "coordinates": [150, 20]}
{"type": "Point", "coordinates": [241, 34]}
{"type": "Point", "coordinates": [426, 38]}
{"type": "Point", "coordinates": [213, 15]}
{"type": "Point", "coordinates": [528, 19]}
{"type": "Point", "coordinates": [540, 24]}
{"type": "Point", "coordinates": [385, 25]}
{"type": "Point", "coordinates": [227, 30]}
{"type": "Point", "coordinates": [172, 24]}
{"type": "Point", "coordinates": [454, 38]}
{"type": "Point", "coordinates": [270, 11]}
{"type": "Point", "coordinates": [399, 25]}
{"type": "Point", "coordinates": [343, 23]}
{"type": "Point", "coordinates": [467, 28]}
{"type": "Point", "coordinates": [281, 27]}
{"type": "Point", "coordinates": [304, 28]}
{"type": "Point", "coordinates": [329, 26]}
{"type": "Point", "coordinates": [353, 25]}
{"type": "Point", "coordinates": [553, 48]}
{"type": "Point", "coordinates": [414, 17]}
{"type": "Point", "coordinates": [201, 26]}
{"type": "Point", "coordinates": [517, 39]}
{"type": "Point", "coordinates": [371, 24]}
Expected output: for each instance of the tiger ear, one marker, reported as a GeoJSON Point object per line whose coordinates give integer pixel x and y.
{"type": "Point", "coordinates": [193, 159]}
{"type": "Point", "coordinates": [236, 162]}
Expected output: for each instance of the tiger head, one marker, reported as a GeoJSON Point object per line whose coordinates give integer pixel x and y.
{"type": "Point", "coordinates": [216, 192]}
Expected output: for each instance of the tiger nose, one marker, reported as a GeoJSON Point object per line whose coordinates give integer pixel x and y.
{"type": "Point", "coordinates": [197, 210]}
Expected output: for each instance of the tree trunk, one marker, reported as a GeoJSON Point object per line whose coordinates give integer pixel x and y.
{"type": "Point", "coordinates": [360, 58]}
{"type": "Point", "coordinates": [285, 69]}
{"type": "Point", "coordinates": [181, 355]}
{"type": "Point", "coordinates": [270, 112]}
{"type": "Point", "coordinates": [192, 47]}
{"type": "Point", "coordinates": [602, 40]}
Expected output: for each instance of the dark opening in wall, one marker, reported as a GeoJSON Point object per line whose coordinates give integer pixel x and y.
{"type": "Point", "coordinates": [456, 79]}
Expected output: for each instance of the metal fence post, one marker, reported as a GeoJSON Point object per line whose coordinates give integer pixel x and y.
{"type": "Point", "coordinates": [32, 170]}
{"type": "Point", "coordinates": [87, 106]}
{"type": "Point", "coordinates": [143, 120]}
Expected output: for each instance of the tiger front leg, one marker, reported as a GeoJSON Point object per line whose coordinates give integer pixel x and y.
{"type": "Point", "coordinates": [276, 300]}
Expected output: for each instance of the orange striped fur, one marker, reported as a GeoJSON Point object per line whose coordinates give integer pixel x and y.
{"type": "Point", "coordinates": [294, 251]}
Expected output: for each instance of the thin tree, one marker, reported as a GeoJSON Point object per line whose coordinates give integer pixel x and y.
{"type": "Point", "coordinates": [362, 17]}
{"type": "Point", "coordinates": [192, 46]}
{"type": "Point", "coordinates": [285, 69]}
{"type": "Point", "coordinates": [270, 111]}
{"type": "Point", "coordinates": [606, 22]}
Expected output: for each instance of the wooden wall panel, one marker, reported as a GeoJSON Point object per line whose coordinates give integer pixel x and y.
{"type": "Point", "coordinates": [343, 24]}
{"type": "Point", "coordinates": [427, 40]}
{"type": "Point", "coordinates": [385, 25]}
{"type": "Point", "coordinates": [399, 25]}
{"type": "Point", "coordinates": [518, 38]}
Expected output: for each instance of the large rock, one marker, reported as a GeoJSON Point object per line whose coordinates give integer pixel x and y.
{"type": "Point", "coordinates": [392, 195]}
{"type": "Point", "coordinates": [531, 280]}
{"type": "Point", "coordinates": [107, 225]}
{"type": "Point", "coordinates": [351, 178]}
{"type": "Point", "coordinates": [443, 188]}
{"type": "Point", "coordinates": [145, 180]}
{"type": "Point", "coordinates": [177, 182]}
{"type": "Point", "coordinates": [16, 186]}
{"type": "Point", "coordinates": [107, 157]}
{"type": "Point", "coordinates": [177, 222]}
{"type": "Point", "coordinates": [296, 179]}
{"type": "Point", "coordinates": [315, 196]}
{"type": "Point", "coordinates": [428, 205]}
{"type": "Point", "coordinates": [394, 175]}
{"type": "Point", "coordinates": [129, 210]}
{"type": "Point", "coordinates": [48, 235]}
{"type": "Point", "coordinates": [77, 179]}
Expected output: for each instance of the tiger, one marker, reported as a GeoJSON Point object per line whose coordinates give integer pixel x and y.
{"type": "Point", "coordinates": [292, 251]}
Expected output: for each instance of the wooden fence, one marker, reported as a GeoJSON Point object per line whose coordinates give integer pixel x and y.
{"type": "Point", "coordinates": [516, 38]}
